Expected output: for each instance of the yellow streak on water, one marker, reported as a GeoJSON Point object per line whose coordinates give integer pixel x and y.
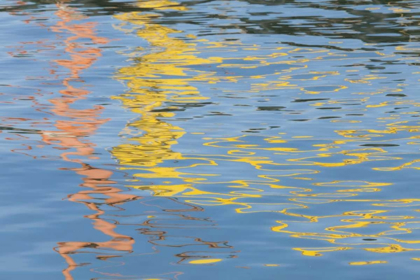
{"type": "Point", "coordinates": [367, 263]}
{"type": "Point", "coordinates": [206, 261]}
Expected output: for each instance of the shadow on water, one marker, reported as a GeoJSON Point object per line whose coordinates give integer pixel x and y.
{"type": "Point", "coordinates": [376, 21]}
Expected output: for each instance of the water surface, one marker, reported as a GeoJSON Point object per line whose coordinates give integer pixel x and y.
{"type": "Point", "coordinates": [209, 139]}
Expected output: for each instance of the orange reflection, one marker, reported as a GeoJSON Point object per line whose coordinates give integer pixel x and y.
{"type": "Point", "coordinates": [71, 134]}
{"type": "Point", "coordinates": [82, 123]}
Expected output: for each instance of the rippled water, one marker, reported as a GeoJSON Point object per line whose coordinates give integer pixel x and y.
{"type": "Point", "coordinates": [209, 139]}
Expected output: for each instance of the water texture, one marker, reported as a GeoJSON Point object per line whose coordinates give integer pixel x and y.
{"type": "Point", "coordinates": [163, 139]}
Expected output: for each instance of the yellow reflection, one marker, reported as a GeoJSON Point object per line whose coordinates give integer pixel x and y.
{"type": "Point", "coordinates": [164, 75]}
{"type": "Point", "coordinates": [317, 252]}
{"type": "Point", "coordinates": [205, 261]}
{"type": "Point", "coordinates": [168, 79]}
{"type": "Point", "coordinates": [367, 263]}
